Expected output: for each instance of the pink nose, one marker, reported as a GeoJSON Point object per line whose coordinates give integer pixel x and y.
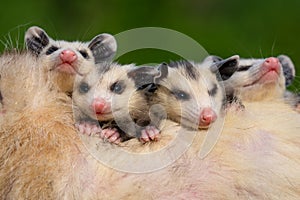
{"type": "Point", "coordinates": [100, 106]}
{"type": "Point", "coordinates": [68, 56]}
{"type": "Point", "coordinates": [271, 64]}
{"type": "Point", "coordinates": [207, 117]}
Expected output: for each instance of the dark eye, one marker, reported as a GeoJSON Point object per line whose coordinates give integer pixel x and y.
{"type": "Point", "coordinates": [243, 68]}
{"type": "Point", "coordinates": [84, 54]}
{"type": "Point", "coordinates": [51, 50]}
{"type": "Point", "coordinates": [180, 95]}
{"type": "Point", "coordinates": [213, 91]}
{"type": "Point", "coordinates": [84, 87]}
{"type": "Point", "coordinates": [117, 87]}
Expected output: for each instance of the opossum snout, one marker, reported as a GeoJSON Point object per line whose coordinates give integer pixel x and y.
{"type": "Point", "coordinates": [207, 117]}
{"type": "Point", "coordinates": [271, 64]}
{"type": "Point", "coordinates": [101, 106]}
{"type": "Point", "coordinates": [68, 56]}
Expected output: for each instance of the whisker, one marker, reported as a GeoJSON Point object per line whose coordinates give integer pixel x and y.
{"type": "Point", "coordinates": [273, 46]}
{"type": "Point", "coordinates": [261, 53]}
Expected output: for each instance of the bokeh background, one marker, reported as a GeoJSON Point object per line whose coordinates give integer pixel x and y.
{"type": "Point", "coordinates": [253, 28]}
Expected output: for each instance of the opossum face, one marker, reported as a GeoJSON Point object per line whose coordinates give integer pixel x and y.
{"type": "Point", "coordinates": [257, 79]}
{"type": "Point", "coordinates": [191, 94]}
{"type": "Point", "coordinates": [65, 59]}
{"type": "Point", "coordinates": [111, 90]}
{"type": "Point", "coordinates": [94, 92]}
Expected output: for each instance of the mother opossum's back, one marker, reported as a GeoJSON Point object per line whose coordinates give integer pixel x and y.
{"type": "Point", "coordinates": [40, 152]}
{"type": "Point", "coordinates": [257, 156]}
{"type": "Point", "coordinates": [43, 157]}
{"type": "Point", "coordinates": [20, 75]}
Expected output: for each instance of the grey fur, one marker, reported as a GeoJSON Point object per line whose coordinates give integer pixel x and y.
{"type": "Point", "coordinates": [36, 39]}
{"type": "Point", "coordinates": [130, 108]}
{"type": "Point", "coordinates": [103, 46]}
{"type": "Point", "coordinates": [288, 69]}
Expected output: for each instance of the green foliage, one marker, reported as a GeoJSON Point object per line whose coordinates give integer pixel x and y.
{"type": "Point", "coordinates": [249, 28]}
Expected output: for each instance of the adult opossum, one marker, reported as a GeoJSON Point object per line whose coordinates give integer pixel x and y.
{"type": "Point", "coordinates": [257, 156]}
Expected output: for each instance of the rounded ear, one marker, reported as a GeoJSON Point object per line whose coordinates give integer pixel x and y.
{"type": "Point", "coordinates": [36, 39]}
{"type": "Point", "coordinates": [103, 47]}
{"type": "Point", "coordinates": [288, 69]}
{"type": "Point", "coordinates": [226, 67]}
{"type": "Point", "coordinates": [162, 72]}
{"type": "Point", "coordinates": [212, 59]}
{"type": "Point", "coordinates": [143, 76]}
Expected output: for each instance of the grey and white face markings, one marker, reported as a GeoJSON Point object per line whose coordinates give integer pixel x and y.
{"type": "Point", "coordinates": [100, 83]}
{"type": "Point", "coordinates": [250, 66]}
{"type": "Point", "coordinates": [78, 54]}
{"type": "Point", "coordinates": [114, 94]}
{"type": "Point", "coordinates": [258, 79]}
{"type": "Point", "coordinates": [225, 69]}
{"type": "Point", "coordinates": [112, 83]}
{"type": "Point", "coordinates": [188, 90]}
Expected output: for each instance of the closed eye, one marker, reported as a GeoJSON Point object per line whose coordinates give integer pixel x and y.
{"type": "Point", "coordinates": [84, 54]}
{"type": "Point", "coordinates": [244, 68]}
{"type": "Point", "coordinates": [51, 50]}
{"type": "Point", "coordinates": [213, 91]}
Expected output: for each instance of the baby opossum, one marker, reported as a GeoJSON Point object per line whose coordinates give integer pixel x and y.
{"type": "Point", "coordinates": [259, 79]}
{"type": "Point", "coordinates": [66, 59]}
{"type": "Point", "coordinates": [286, 64]}
{"type": "Point", "coordinates": [58, 60]}
{"type": "Point", "coordinates": [191, 94]}
{"type": "Point", "coordinates": [115, 96]}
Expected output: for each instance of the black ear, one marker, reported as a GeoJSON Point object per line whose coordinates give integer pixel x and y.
{"type": "Point", "coordinates": [36, 39]}
{"type": "Point", "coordinates": [144, 76]}
{"type": "Point", "coordinates": [212, 59]}
{"type": "Point", "coordinates": [288, 69]}
{"type": "Point", "coordinates": [162, 72]}
{"type": "Point", "coordinates": [103, 47]}
{"type": "Point", "coordinates": [226, 67]}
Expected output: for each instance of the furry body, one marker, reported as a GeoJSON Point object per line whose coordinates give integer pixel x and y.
{"type": "Point", "coordinates": [43, 157]}
{"type": "Point", "coordinates": [252, 159]}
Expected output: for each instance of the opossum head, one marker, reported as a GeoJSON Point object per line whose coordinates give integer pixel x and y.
{"type": "Point", "coordinates": [191, 94]}
{"type": "Point", "coordinates": [65, 59]}
{"type": "Point", "coordinates": [113, 90]}
{"type": "Point", "coordinates": [258, 79]}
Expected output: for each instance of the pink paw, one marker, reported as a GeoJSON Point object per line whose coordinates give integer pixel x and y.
{"type": "Point", "coordinates": [88, 128]}
{"type": "Point", "coordinates": [150, 133]}
{"type": "Point", "coordinates": [111, 134]}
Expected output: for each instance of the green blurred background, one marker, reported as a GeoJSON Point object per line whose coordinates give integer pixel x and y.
{"type": "Point", "coordinates": [253, 28]}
